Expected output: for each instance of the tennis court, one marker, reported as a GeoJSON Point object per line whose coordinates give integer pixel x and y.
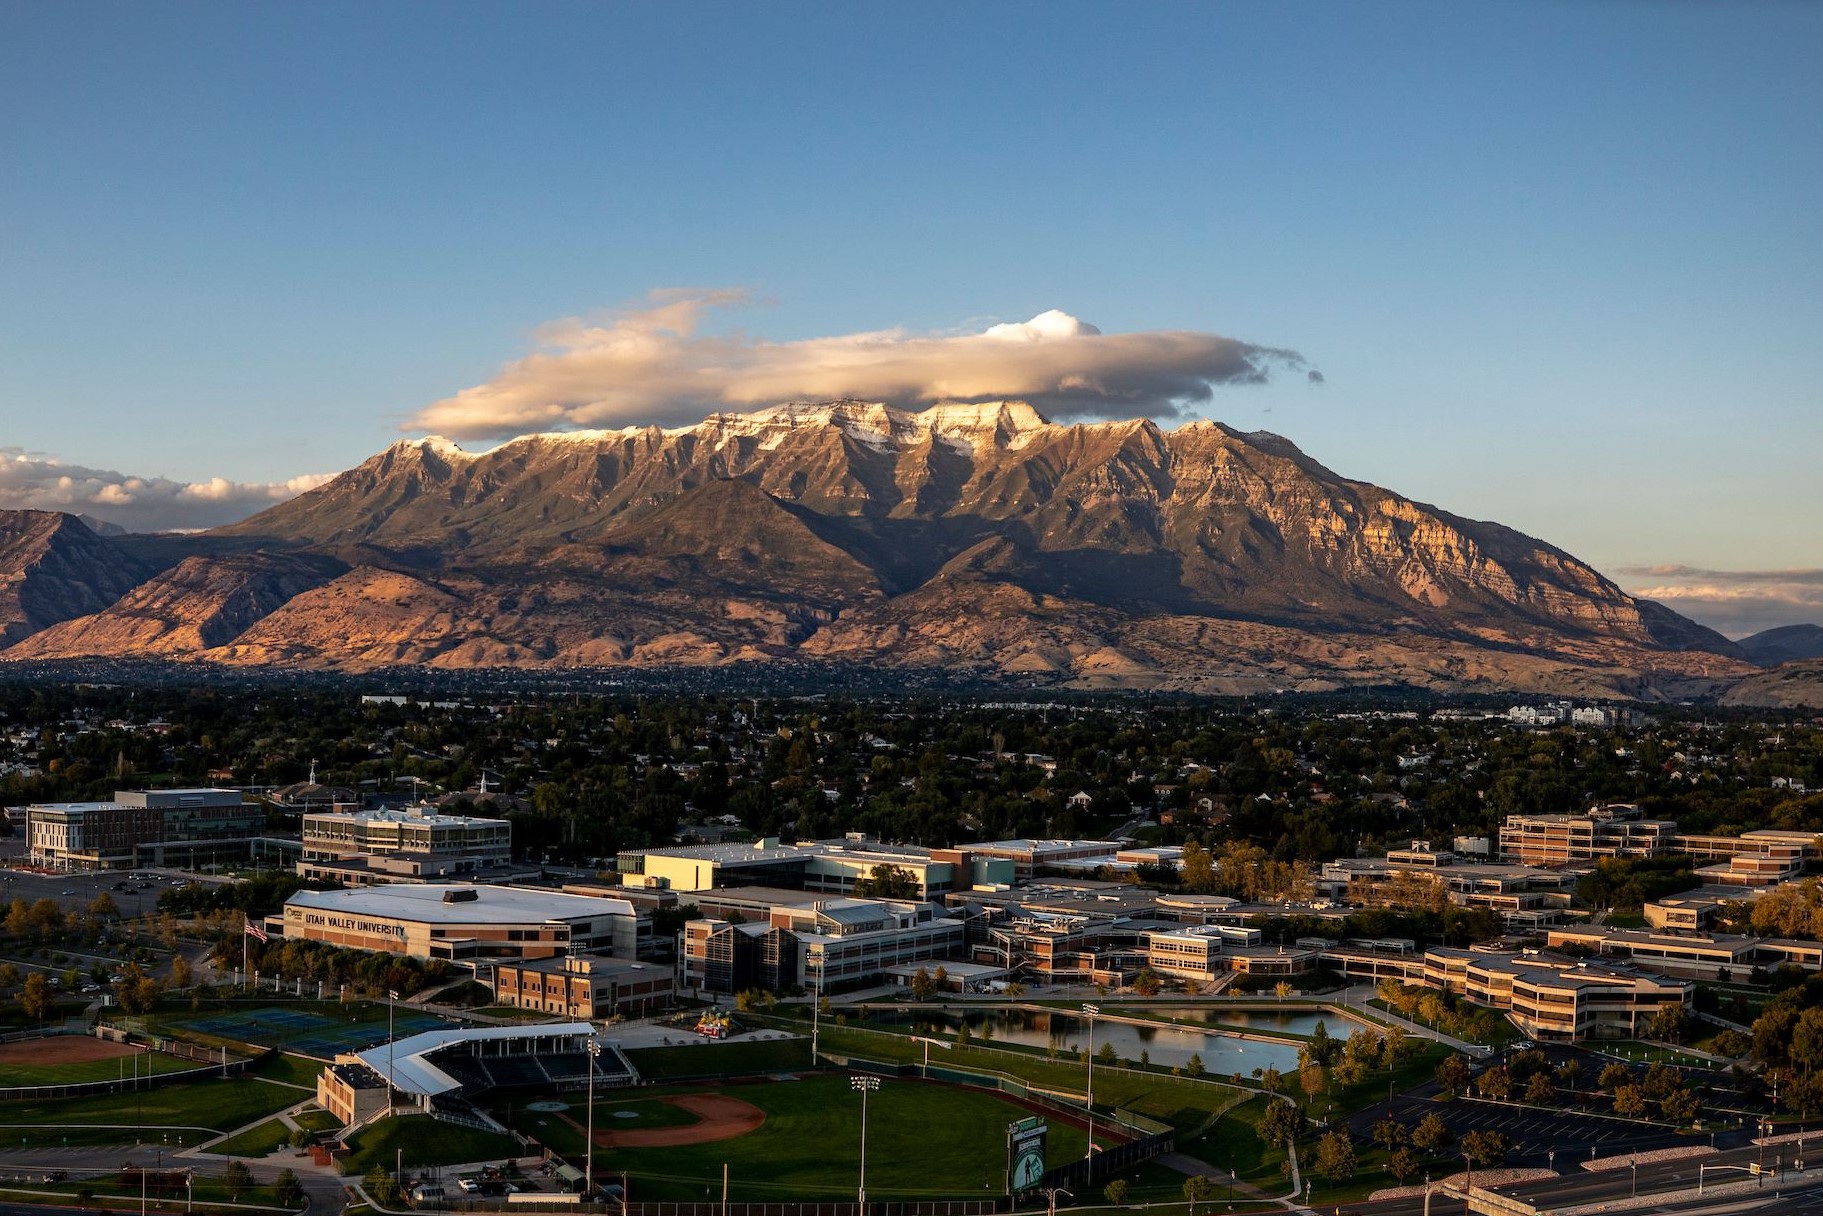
{"type": "Point", "coordinates": [312, 1034]}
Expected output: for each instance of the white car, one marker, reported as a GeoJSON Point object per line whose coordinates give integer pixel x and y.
{"type": "Point", "coordinates": [468, 1184]}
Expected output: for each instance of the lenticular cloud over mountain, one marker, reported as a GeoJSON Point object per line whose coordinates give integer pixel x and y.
{"type": "Point", "coordinates": [651, 365]}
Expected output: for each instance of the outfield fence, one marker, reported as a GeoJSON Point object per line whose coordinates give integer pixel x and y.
{"type": "Point", "coordinates": [114, 1085]}
{"type": "Point", "coordinates": [925, 1207]}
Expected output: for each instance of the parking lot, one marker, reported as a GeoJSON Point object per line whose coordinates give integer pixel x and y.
{"type": "Point", "coordinates": [1533, 1131]}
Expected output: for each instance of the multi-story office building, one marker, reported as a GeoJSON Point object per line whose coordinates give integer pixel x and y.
{"type": "Point", "coordinates": [585, 986]}
{"type": "Point", "coordinates": [188, 827]}
{"type": "Point", "coordinates": [826, 945]}
{"type": "Point", "coordinates": [828, 866]}
{"type": "Point", "coordinates": [1616, 830]}
{"type": "Point", "coordinates": [417, 844]}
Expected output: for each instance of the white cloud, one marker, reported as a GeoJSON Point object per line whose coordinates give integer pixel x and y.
{"type": "Point", "coordinates": [1733, 602]}
{"type": "Point", "coordinates": [138, 504]}
{"type": "Point", "coordinates": [650, 365]}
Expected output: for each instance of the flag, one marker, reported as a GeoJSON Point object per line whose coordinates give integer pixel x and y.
{"type": "Point", "coordinates": [255, 931]}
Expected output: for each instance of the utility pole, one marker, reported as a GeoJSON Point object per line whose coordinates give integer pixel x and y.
{"type": "Point", "coordinates": [391, 1000]}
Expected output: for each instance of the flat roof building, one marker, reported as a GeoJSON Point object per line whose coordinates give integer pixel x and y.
{"type": "Point", "coordinates": [460, 921]}
{"type": "Point", "coordinates": [413, 844]}
{"type": "Point", "coordinates": [189, 827]}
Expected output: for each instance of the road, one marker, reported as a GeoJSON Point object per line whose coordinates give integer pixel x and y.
{"type": "Point", "coordinates": [324, 1190]}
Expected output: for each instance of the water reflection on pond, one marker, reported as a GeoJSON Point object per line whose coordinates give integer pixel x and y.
{"type": "Point", "coordinates": [1222, 1054]}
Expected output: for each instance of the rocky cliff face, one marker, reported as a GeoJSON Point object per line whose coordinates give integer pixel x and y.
{"type": "Point", "coordinates": [977, 538]}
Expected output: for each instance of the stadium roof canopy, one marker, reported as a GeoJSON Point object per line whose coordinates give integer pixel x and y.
{"type": "Point", "coordinates": [406, 1064]}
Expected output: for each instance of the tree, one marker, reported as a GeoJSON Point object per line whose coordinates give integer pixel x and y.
{"type": "Point", "coordinates": [1280, 1124]}
{"type": "Point", "coordinates": [1680, 1106]}
{"type": "Point", "coordinates": [301, 1137]}
{"type": "Point", "coordinates": [922, 985]}
{"type": "Point", "coordinates": [287, 1189]}
{"type": "Point", "coordinates": [1336, 1158]}
{"type": "Point", "coordinates": [36, 997]}
{"type": "Point", "coordinates": [1391, 1134]}
{"type": "Point", "coordinates": [1312, 1080]}
{"type": "Point", "coordinates": [1629, 1102]}
{"type": "Point", "coordinates": [1669, 1025]}
{"type": "Point", "coordinates": [1485, 1148]}
{"type": "Point", "coordinates": [1147, 983]}
{"type": "Point", "coordinates": [1198, 1189]}
{"type": "Point", "coordinates": [1283, 989]}
{"type": "Point", "coordinates": [1569, 1073]}
{"type": "Point", "coordinates": [1403, 1165]}
{"type": "Point", "coordinates": [1453, 1073]}
{"type": "Point", "coordinates": [887, 881]}
{"type": "Point", "coordinates": [1539, 1091]}
{"type": "Point", "coordinates": [1115, 1192]}
{"type": "Point", "coordinates": [1432, 1134]}
{"type": "Point", "coordinates": [379, 1183]}
{"type": "Point", "coordinates": [1613, 1076]}
{"type": "Point", "coordinates": [1195, 1067]}
{"type": "Point", "coordinates": [236, 1177]}
{"type": "Point", "coordinates": [1496, 1084]}
{"type": "Point", "coordinates": [1196, 869]}
{"type": "Point", "coordinates": [1106, 1054]}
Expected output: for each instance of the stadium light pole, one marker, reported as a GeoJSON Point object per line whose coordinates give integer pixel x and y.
{"type": "Point", "coordinates": [392, 1078]}
{"type": "Point", "coordinates": [1089, 1011]}
{"type": "Point", "coordinates": [865, 1084]}
{"type": "Point", "coordinates": [588, 1147]}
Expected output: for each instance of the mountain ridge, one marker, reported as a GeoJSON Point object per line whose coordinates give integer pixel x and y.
{"type": "Point", "coordinates": [850, 530]}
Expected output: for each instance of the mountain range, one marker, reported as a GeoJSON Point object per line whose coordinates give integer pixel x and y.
{"type": "Point", "coordinates": [981, 541]}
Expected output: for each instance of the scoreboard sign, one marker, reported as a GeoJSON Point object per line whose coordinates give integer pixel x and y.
{"type": "Point", "coordinates": [1025, 1155]}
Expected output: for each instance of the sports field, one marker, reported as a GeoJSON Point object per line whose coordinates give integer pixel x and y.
{"type": "Point", "coordinates": [72, 1059]}
{"type": "Point", "coordinates": [188, 1112]}
{"type": "Point", "coordinates": [320, 1029]}
{"type": "Point", "coordinates": [923, 1141]}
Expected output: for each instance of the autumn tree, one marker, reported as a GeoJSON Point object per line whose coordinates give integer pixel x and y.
{"type": "Point", "coordinates": [35, 999]}
{"type": "Point", "coordinates": [1432, 1134]}
{"type": "Point", "coordinates": [1485, 1148]}
{"type": "Point", "coordinates": [1335, 1158]}
{"type": "Point", "coordinates": [1453, 1073]}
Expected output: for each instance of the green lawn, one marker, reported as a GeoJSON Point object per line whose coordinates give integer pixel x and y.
{"type": "Point", "coordinates": [216, 1104]}
{"type": "Point", "coordinates": [317, 1120]}
{"type": "Point", "coordinates": [300, 1071]}
{"type": "Point", "coordinates": [425, 1141]}
{"type": "Point", "coordinates": [720, 1059]}
{"type": "Point", "coordinates": [922, 1141]}
{"type": "Point", "coordinates": [1183, 1102]}
{"type": "Point", "coordinates": [256, 1141]}
{"type": "Point", "coordinates": [147, 1063]}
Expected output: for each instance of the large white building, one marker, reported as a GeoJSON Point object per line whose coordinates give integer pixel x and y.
{"type": "Point", "coordinates": [460, 921]}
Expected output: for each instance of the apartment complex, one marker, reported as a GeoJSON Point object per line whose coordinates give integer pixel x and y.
{"type": "Point", "coordinates": [144, 828]}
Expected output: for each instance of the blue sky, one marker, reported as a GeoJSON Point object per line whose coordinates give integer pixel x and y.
{"type": "Point", "coordinates": [1560, 264]}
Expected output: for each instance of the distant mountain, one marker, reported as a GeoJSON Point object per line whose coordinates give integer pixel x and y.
{"type": "Point", "coordinates": [1771, 647]}
{"type": "Point", "coordinates": [53, 568]}
{"type": "Point", "coordinates": [978, 540]}
{"type": "Point", "coordinates": [101, 527]}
